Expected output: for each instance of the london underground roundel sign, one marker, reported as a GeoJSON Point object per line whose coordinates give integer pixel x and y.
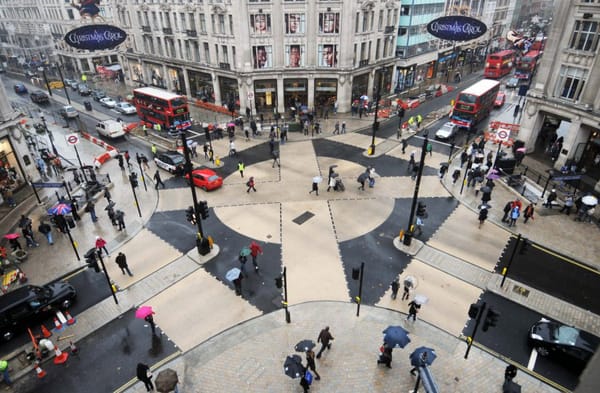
{"type": "Point", "coordinates": [456, 28]}
{"type": "Point", "coordinates": [95, 37]}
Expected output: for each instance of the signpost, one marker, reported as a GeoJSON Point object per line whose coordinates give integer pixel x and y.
{"type": "Point", "coordinates": [73, 140]}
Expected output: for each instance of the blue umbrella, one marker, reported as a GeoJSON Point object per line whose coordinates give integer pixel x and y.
{"type": "Point", "coordinates": [59, 209]}
{"type": "Point", "coordinates": [396, 336]}
{"type": "Point", "coordinates": [417, 358]}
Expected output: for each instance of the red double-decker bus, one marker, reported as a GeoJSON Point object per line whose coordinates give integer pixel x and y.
{"type": "Point", "coordinates": [158, 106]}
{"type": "Point", "coordinates": [475, 103]}
{"type": "Point", "coordinates": [499, 64]}
{"type": "Point", "coordinates": [527, 64]}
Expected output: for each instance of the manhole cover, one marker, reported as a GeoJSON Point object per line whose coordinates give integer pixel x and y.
{"type": "Point", "coordinates": [302, 218]}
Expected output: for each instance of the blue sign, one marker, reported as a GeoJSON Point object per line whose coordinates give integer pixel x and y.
{"type": "Point", "coordinates": [456, 28]}
{"type": "Point", "coordinates": [95, 37]}
{"type": "Point", "coordinates": [565, 178]}
{"type": "Point", "coordinates": [48, 185]}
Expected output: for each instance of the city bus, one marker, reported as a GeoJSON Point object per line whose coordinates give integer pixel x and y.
{"type": "Point", "coordinates": [499, 64]}
{"type": "Point", "coordinates": [159, 106]}
{"type": "Point", "coordinates": [475, 103]}
{"type": "Point", "coordinates": [527, 64]}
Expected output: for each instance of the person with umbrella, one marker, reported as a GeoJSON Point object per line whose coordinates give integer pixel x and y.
{"type": "Point", "coordinates": [12, 240]}
{"type": "Point", "coordinates": [422, 362]}
{"type": "Point", "coordinates": [46, 230]}
{"type": "Point", "coordinates": [413, 309]}
{"type": "Point", "coordinates": [483, 214]}
{"type": "Point", "coordinates": [255, 249]}
{"type": "Point", "coordinates": [166, 381]}
{"type": "Point", "coordinates": [386, 355]}
{"type": "Point", "coordinates": [421, 357]}
{"type": "Point", "coordinates": [144, 375]}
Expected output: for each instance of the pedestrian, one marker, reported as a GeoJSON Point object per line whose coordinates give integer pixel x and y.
{"type": "Point", "coordinates": [107, 194]}
{"type": "Point", "coordinates": [101, 245]}
{"type": "Point", "coordinates": [154, 150]}
{"type": "Point", "coordinates": [371, 176]}
{"type": "Point", "coordinates": [305, 380]}
{"type": "Point", "coordinates": [158, 181]}
{"type": "Point", "coordinates": [275, 154]}
{"type": "Point", "coordinates": [507, 209]}
{"type": "Point", "coordinates": [324, 338]}
{"type": "Point", "coordinates": [8, 194]}
{"type": "Point", "coordinates": [250, 184]}
{"type": "Point", "coordinates": [406, 292]}
{"type": "Point", "coordinates": [411, 160]}
{"type": "Point", "coordinates": [415, 171]}
{"type": "Point", "coordinates": [205, 149]}
{"type": "Point", "coordinates": [74, 207]}
{"type": "Point", "coordinates": [464, 157]}
{"type": "Point", "coordinates": [514, 215]}
{"type": "Point", "coordinates": [111, 215]}
{"type": "Point", "coordinates": [419, 121]}
{"type": "Point", "coordinates": [121, 162]}
{"type": "Point", "coordinates": [271, 144]}
{"type": "Point", "coordinates": [404, 144]}
{"type": "Point", "coordinates": [569, 202]}
{"type": "Point", "coordinates": [421, 363]}
{"type": "Point", "coordinates": [91, 208]}
{"type": "Point", "coordinates": [483, 213]}
{"type": "Point", "coordinates": [121, 261]}
{"type": "Point", "coordinates": [127, 158]}
{"type": "Point", "coordinates": [419, 224]}
{"type": "Point", "coordinates": [144, 160]}
{"type": "Point", "coordinates": [237, 283]}
{"type": "Point", "coordinates": [255, 250]}
{"type": "Point", "coordinates": [120, 217]}
{"type": "Point", "coordinates": [455, 176]}
{"type": "Point", "coordinates": [361, 180]}
{"type": "Point", "coordinates": [395, 287]}
{"type": "Point", "coordinates": [194, 149]}
{"type": "Point", "coordinates": [336, 128]}
{"type": "Point", "coordinates": [315, 187]}
{"type": "Point", "coordinates": [46, 230]}
{"type": "Point", "coordinates": [150, 319]}
{"type": "Point", "coordinates": [413, 309]}
{"type": "Point", "coordinates": [241, 168]}
{"type": "Point", "coordinates": [528, 213]}
{"type": "Point", "coordinates": [551, 199]}
{"type": "Point", "coordinates": [343, 131]}
{"type": "Point", "coordinates": [386, 355]}
{"type": "Point", "coordinates": [211, 154]}
{"type": "Point", "coordinates": [145, 129]}
{"type": "Point", "coordinates": [232, 151]}
{"type": "Point", "coordinates": [247, 133]}
{"type": "Point", "coordinates": [443, 170]}
{"type": "Point", "coordinates": [14, 244]}
{"type": "Point", "coordinates": [310, 363]}
{"type": "Point", "coordinates": [28, 235]}
{"type": "Point", "coordinates": [4, 371]}
{"type": "Point", "coordinates": [144, 375]}
{"type": "Point", "coordinates": [61, 223]}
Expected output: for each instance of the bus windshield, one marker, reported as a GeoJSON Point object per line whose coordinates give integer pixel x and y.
{"type": "Point", "coordinates": [467, 98]}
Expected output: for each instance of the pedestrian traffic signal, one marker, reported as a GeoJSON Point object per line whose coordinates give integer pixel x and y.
{"type": "Point", "coordinates": [473, 310]}
{"type": "Point", "coordinates": [133, 179]}
{"type": "Point", "coordinates": [279, 282]}
{"type": "Point", "coordinates": [491, 319]}
{"type": "Point", "coordinates": [203, 209]}
{"type": "Point", "coordinates": [91, 258]}
{"type": "Point", "coordinates": [190, 215]}
{"type": "Point", "coordinates": [421, 210]}
{"type": "Point", "coordinates": [524, 246]}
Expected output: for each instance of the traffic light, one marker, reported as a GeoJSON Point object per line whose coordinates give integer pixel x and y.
{"type": "Point", "coordinates": [491, 319]}
{"type": "Point", "coordinates": [91, 258]}
{"type": "Point", "coordinates": [203, 209]}
{"type": "Point", "coordinates": [279, 282]}
{"type": "Point", "coordinates": [421, 210]}
{"type": "Point", "coordinates": [401, 113]}
{"type": "Point", "coordinates": [524, 247]}
{"type": "Point", "coordinates": [133, 179]}
{"type": "Point", "coordinates": [473, 310]}
{"type": "Point", "coordinates": [190, 215]}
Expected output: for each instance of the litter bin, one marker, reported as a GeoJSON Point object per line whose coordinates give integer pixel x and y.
{"type": "Point", "coordinates": [88, 105]}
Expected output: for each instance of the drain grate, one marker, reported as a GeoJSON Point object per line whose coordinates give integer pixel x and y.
{"type": "Point", "coordinates": [302, 218]}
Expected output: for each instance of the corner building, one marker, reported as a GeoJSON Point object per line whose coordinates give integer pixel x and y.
{"type": "Point", "coordinates": [265, 55]}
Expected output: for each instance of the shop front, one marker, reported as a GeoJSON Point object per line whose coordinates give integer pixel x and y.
{"type": "Point", "coordinates": [229, 91]}
{"type": "Point", "coordinates": [177, 80]}
{"type": "Point", "coordinates": [10, 173]}
{"type": "Point", "coordinates": [386, 81]}
{"type": "Point", "coordinates": [325, 92]}
{"type": "Point", "coordinates": [295, 93]}
{"type": "Point", "coordinates": [201, 86]}
{"type": "Point", "coordinates": [405, 78]}
{"type": "Point", "coordinates": [265, 93]}
{"type": "Point", "coordinates": [157, 77]}
{"type": "Point", "coordinates": [135, 72]}
{"type": "Point", "coordinates": [360, 86]}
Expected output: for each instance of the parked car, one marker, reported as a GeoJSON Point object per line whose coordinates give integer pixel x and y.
{"type": "Point", "coordinates": [206, 179]}
{"type": "Point", "coordinates": [20, 88]}
{"type": "Point", "coordinates": [72, 83]}
{"type": "Point", "coordinates": [554, 338]}
{"type": "Point", "coordinates": [83, 89]}
{"type": "Point", "coordinates": [110, 128]}
{"type": "Point", "coordinates": [500, 99]}
{"type": "Point", "coordinates": [97, 95]}
{"type": "Point", "coordinates": [125, 108]}
{"type": "Point", "coordinates": [39, 97]}
{"type": "Point", "coordinates": [512, 83]}
{"type": "Point", "coordinates": [171, 161]}
{"type": "Point", "coordinates": [447, 131]}
{"type": "Point", "coordinates": [68, 112]}
{"type": "Point", "coordinates": [30, 74]}
{"type": "Point", "coordinates": [108, 102]}
{"type": "Point", "coordinates": [30, 304]}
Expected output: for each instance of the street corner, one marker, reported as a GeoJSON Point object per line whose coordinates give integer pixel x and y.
{"type": "Point", "coordinates": [413, 246]}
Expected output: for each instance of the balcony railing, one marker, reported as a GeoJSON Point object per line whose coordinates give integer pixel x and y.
{"type": "Point", "coordinates": [363, 63]}
{"type": "Point", "coordinates": [191, 33]}
{"type": "Point", "coordinates": [224, 66]}
{"type": "Point", "coordinates": [146, 29]}
{"type": "Point", "coordinates": [389, 30]}
{"type": "Point", "coordinates": [167, 30]}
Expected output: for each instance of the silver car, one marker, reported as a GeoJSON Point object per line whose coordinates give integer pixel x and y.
{"type": "Point", "coordinates": [68, 112]}
{"type": "Point", "coordinates": [447, 131]}
{"type": "Point", "coordinates": [125, 108]}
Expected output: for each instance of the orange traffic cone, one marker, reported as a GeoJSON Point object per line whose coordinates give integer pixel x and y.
{"type": "Point", "coordinates": [70, 319]}
{"type": "Point", "coordinates": [59, 356]}
{"type": "Point", "coordinates": [38, 371]}
{"type": "Point", "coordinates": [58, 327]}
{"type": "Point", "coordinates": [45, 332]}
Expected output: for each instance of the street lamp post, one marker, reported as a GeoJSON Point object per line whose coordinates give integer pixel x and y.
{"type": "Point", "coordinates": [58, 66]}
{"type": "Point", "coordinates": [375, 122]}
{"type": "Point", "coordinates": [50, 135]}
{"type": "Point", "coordinates": [408, 234]}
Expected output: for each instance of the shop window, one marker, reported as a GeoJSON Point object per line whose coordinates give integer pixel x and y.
{"type": "Point", "coordinates": [260, 23]}
{"type": "Point", "coordinates": [294, 23]}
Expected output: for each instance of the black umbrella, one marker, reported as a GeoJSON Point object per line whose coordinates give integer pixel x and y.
{"type": "Point", "coordinates": [304, 345]}
{"type": "Point", "coordinates": [485, 189]}
{"type": "Point", "coordinates": [292, 367]}
{"type": "Point", "coordinates": [444, 164]}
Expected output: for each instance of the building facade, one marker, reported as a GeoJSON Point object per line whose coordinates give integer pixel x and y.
{"type": "Point", "coordinates": [564, 100]}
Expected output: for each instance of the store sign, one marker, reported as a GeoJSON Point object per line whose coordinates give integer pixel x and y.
{"type": "Point", "coordinates": [456, 28]}
{"type": "Point", "coordinates": [95, 37]}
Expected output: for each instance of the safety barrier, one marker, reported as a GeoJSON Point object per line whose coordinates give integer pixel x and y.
{"type": "Point", "coordinates": [213, 107]}
{"type": "Point", "coordinates": [111, 151]}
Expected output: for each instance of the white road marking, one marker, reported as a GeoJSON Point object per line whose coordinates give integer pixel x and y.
{"type": "Point", "coordinates": [532, 359]}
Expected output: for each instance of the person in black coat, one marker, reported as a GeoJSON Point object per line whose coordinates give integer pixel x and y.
{"type": "Point", "coordinates": [142, 375]}
{"type": "Point", "coordinates": [483, 213]}
{"type": "Point", "coordinates": [386, 356]}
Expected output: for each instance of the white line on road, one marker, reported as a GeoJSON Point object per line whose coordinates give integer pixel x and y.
{"type": "Point", "coordinates": [532, 359]}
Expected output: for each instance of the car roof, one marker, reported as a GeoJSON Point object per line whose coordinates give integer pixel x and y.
{"type": "Point", "coordinates": [204, 171]}
{"type": "Point", "coordinates": [172, 153]}
{"type": "Point", "coordinates": [19, 295]}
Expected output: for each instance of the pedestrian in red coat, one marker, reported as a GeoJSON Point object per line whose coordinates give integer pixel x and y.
{"type": "Point", "coordinates": [101, 245]}
{"type": "Point", "coordinates": [255, 249]}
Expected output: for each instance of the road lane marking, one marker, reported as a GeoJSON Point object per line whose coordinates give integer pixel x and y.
{"type": "Point", "coordinates": [532, 359]}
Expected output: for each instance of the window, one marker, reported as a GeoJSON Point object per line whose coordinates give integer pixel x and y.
{"type": "Point", "coordinates": [206, 52]}
{"type": "Point", "coordinates": [404, 10]}
{"type": "Point", "coordinates": [213, 24]}
{"type": "Point", "coordinates": [225, 54]}
{"type": "Point", "coordinates": [327, 55]}
{"type": "Point", "coordinates": [571, 82]}
{"type": "Point", "coordinates": [203, 23]}
{"type": "Point", "coordinates": [365, 21]}
{"type": "Point", "coordinates": [294, 23]}
{"type": "Point", "coordinates": [329, 23]}
{"type": "Point", "coordinates": [357, 22]}
{"type": "Point", "coordinates": [585, 36]}
{"type": "Point", "coordinates": [222, 24]}
{"type": "Point", "coordinates": [182, 17]}
{"type": "Point", "coordinates": [380, 21]}
{"type": "Point", "coordinates": [294, 55]}
{"type": "Point", "coordinates": [262, 56]}
{"type": "Point", "coordinates": [260, 23]}
{"type": "Point", "coordinates": [231, 24]}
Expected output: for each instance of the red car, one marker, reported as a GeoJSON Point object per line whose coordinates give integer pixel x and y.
{"type": "Point", "coordinates": [500, 98]}
{"type": "Point", "coordinates": [206, 179]}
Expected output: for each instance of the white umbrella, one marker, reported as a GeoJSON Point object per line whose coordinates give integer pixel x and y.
{"type": "Point", "coordinates": [590, 200]}
{"type": "Point", "coordinates": [421, 299]}
{"type": "Point", "coordinates": [317, 179]}
{"type": "Point", "coordinates": [410, 282]}
{"type": "Point", "coordinates": [233, 274]}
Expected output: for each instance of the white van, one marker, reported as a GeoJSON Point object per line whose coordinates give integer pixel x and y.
{"type": "Point", "coordinates": [110, 128]}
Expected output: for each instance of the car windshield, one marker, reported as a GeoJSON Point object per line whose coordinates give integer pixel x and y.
{"type": "Point", "coordinates": [213, 178]}
{"type": "Point", "coordinates": [447, 128]}
{"type": "Point", "coordinates": [177, 159]}
{"type": "Point", "coordinates": [564, 334]}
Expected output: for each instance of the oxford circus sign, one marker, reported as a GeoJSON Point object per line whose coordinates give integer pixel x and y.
{"type": "Point", "coordinates": [95, 37]}
{"type": "Point", "coordinates": [456, 28]}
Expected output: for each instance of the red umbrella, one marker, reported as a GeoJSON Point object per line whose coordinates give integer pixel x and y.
{"type": "Point", "coordinates": [11, 236]}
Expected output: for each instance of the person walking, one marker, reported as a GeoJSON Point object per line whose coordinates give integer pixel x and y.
{"type": "Point", "coordinates": [305, 380]}
{"type": "Point", "coordinates": [255, 250]}
{"type": "Point", "coordinates": [121, 261]}
{"type": "Point", "coordinates": [310, 363]}
{"type": "Point", "coordinates": [406, 292]}
{"type": "Point", "coordinates": [250, 184]}
{"type": "Point", "coordinates": [46, 230]}
{"type": "Point", "coordinates": [28, 235]}
{"type": "Point", "coordinates": [386, 355]}
{"type": "Point", "coordinates": [455, 176]}
{"type": "Point", "coordinates": [507, 209]}
{"type": "Point", "coordinates": [336, 128]}
{"type": "Point", "coordinates": [127, 159]}
{"type": "Point", "coordinates": [74, 207]}
{"type": "Point", "coordinates": [429, 149]}
{"type": "Point", "coordinates": [107, 195]}
{"type": "Point", "coordinates": [413, 309]}
{"type": "Point", "coordinates": [415, 171]}
{"type": "Point", "coordinates": [569, 202]}
{"type": "Point", "coordinates": [275, 154]}
{"type": "Point", "coordinates": [395, 287]}
{"type": "Point", "coordinates": [4, 371]}
{"type": "Point", "coordinates": [483, 214]}
{"type": "Point", "coordinates": [464, 157]}
{"type": "Point", "coordinates": [324, 338]}
{"type": "Point", "coordinates": [421, 363]}
{"type": "Point", "coordinates": [242, 258]}
{"type": "Point", "coordinates": [91, 208]}
{"type": "Point", "coordinates": [514, 215]}
{"type": "Point", "coordinates": [237, 283]}
{"type": "Point", "coordinates": [343, 130]}
{"type": "Point", "coordinates": [154, 150]}
{"type": "Point", "coordinates": [120, 217]}
{"type": "Point", "coordinates": [150, 319]}
{"type": "Point", "coordinates": [121, 162]}
{"type": "Point", "coordinates": [158, 181]}
{"type": "Point", "coordinates": [143, 374]}
{"type": "Point", "coordinates": [404, 145]}
{"type": "Point", "coordinates": [551, 198]}
{"type": "Point", "coordinates": [315, 187]}
{"type": "Point", "coordinates": [411, 161]}
{"type": "Point", "coordinates": [101, 245]}
{"type": "Point", "coordinates": [241, 168]}
{"type": "Point", "coordinates": [528, 213]}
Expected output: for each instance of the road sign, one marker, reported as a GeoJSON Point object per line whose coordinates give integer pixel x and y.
{"type": "Point", "coordinates": [502, 135]}
{"type": "Point", "coordinates": [72, 139]}
{"type": "Point", "coordinates": [250, 96]}
{"type": "Point", "coordinates": [47, 185]}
